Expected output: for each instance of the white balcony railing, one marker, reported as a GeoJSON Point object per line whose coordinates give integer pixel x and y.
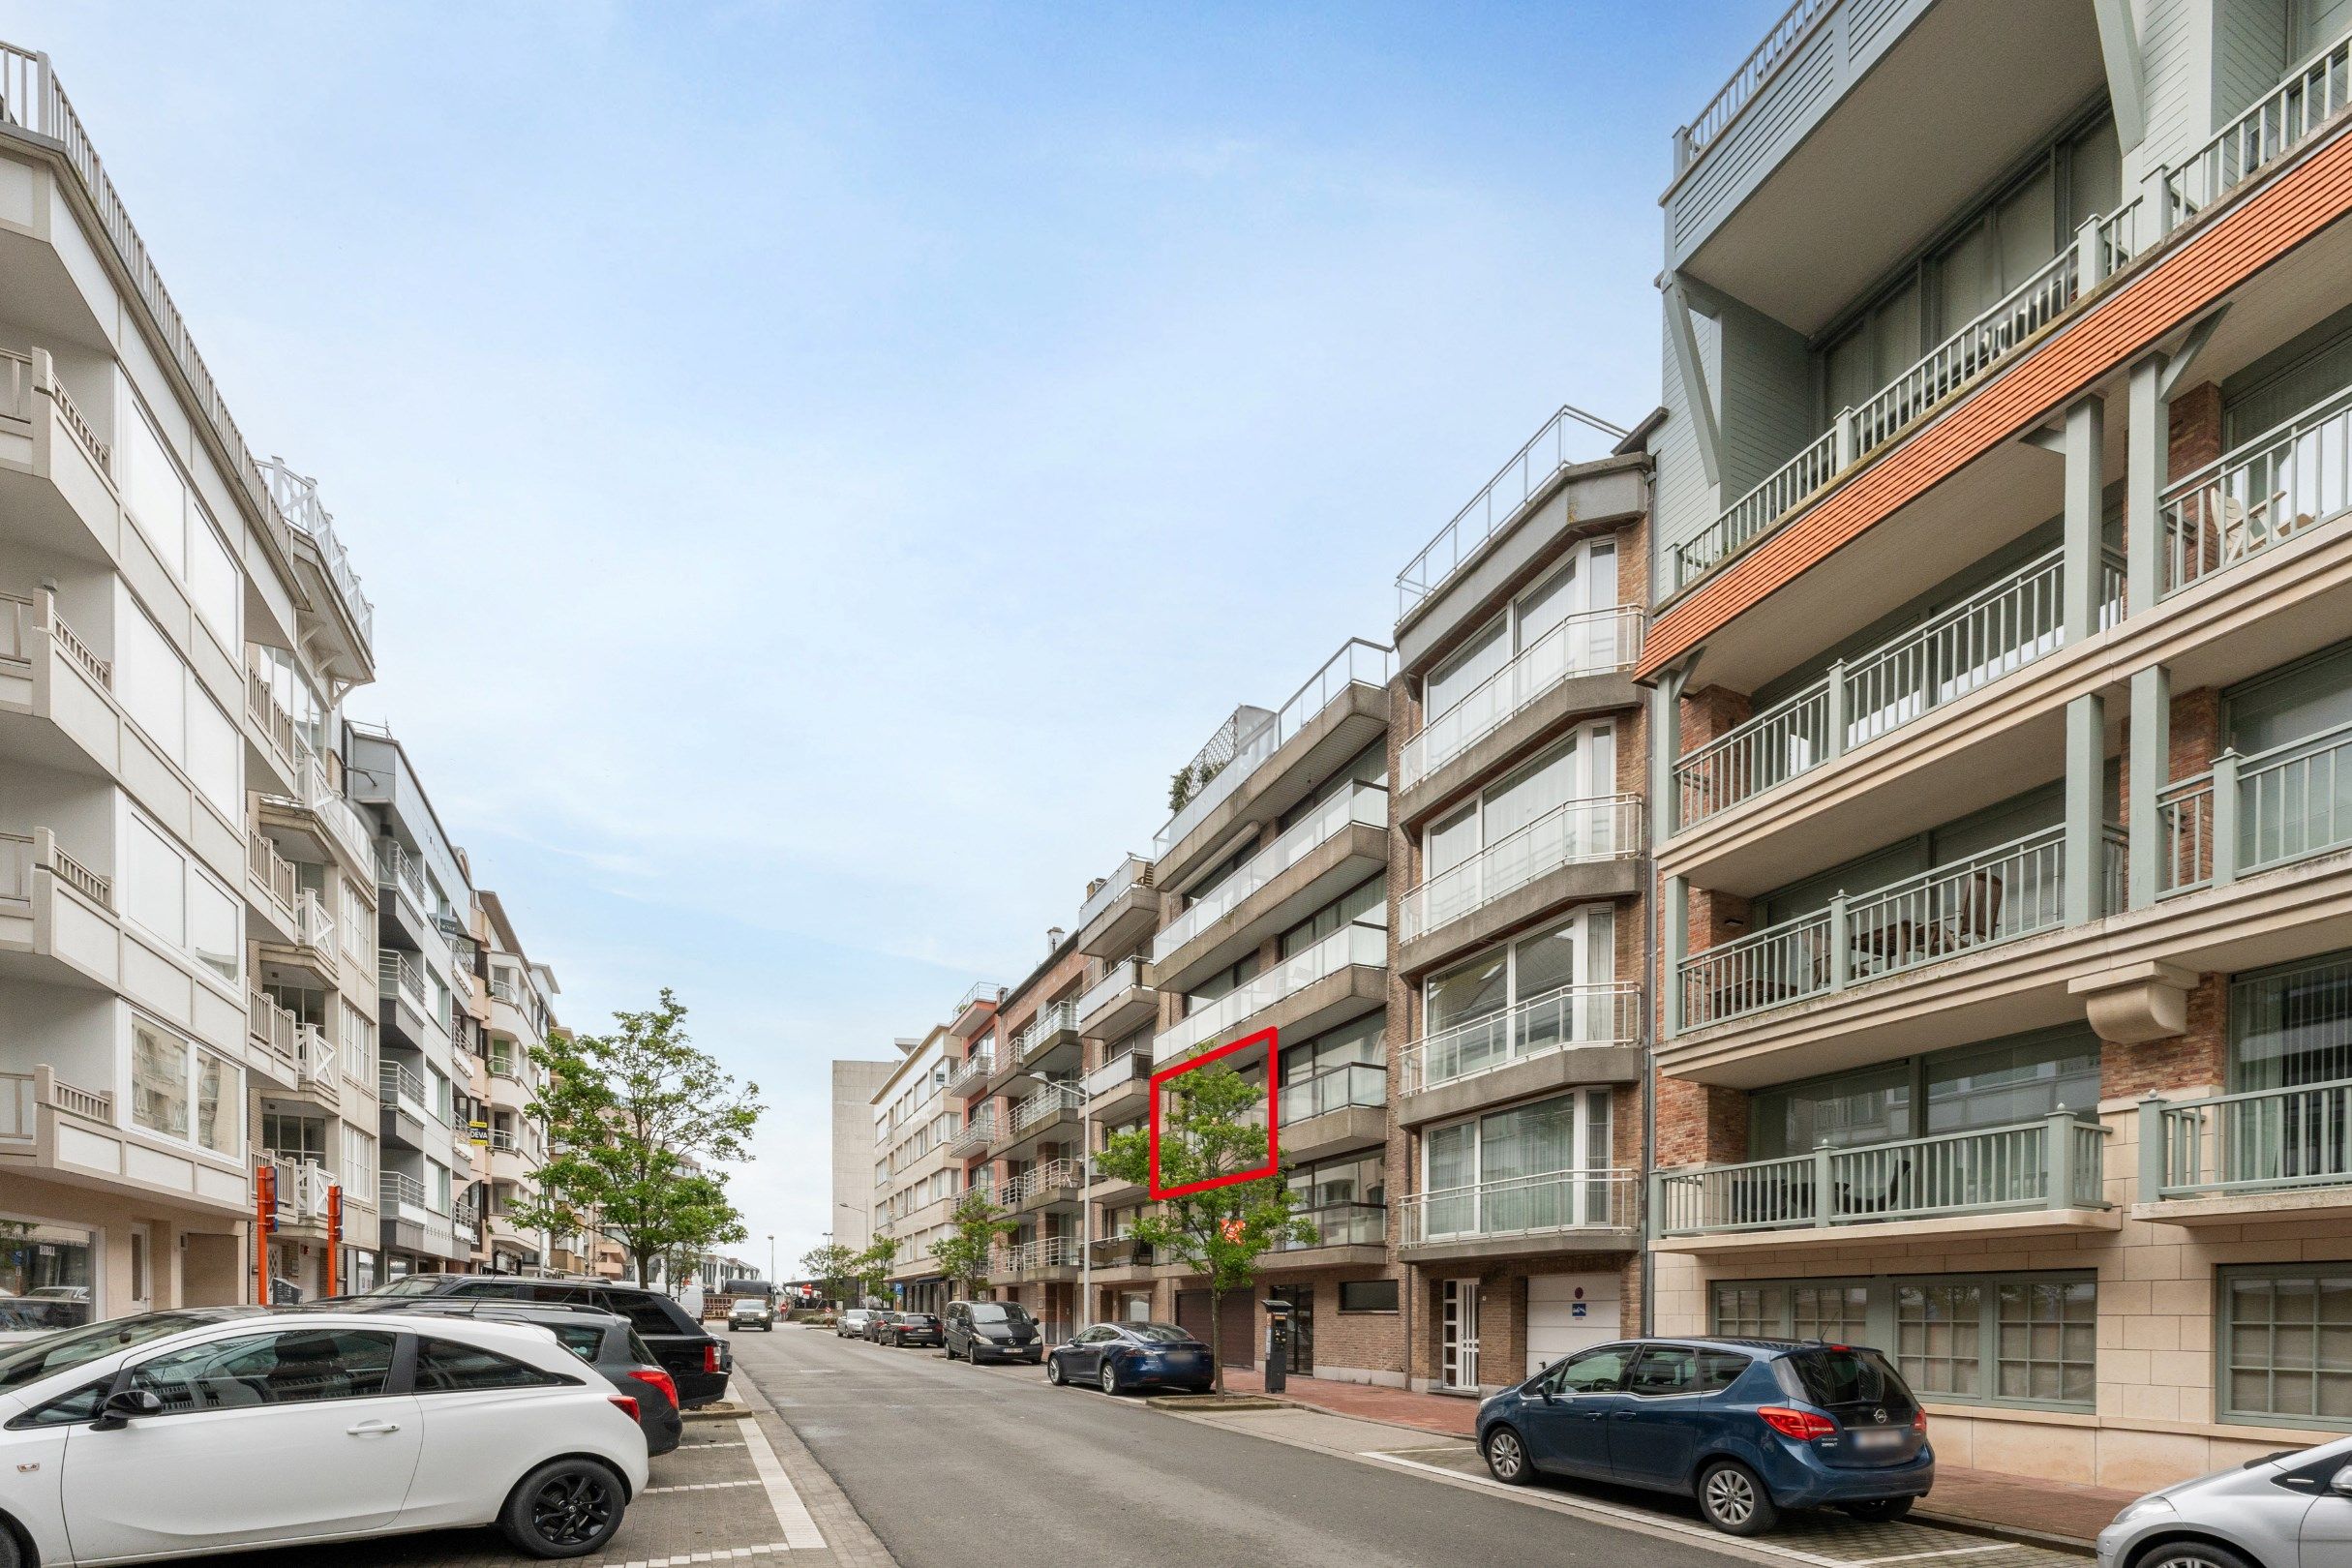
{"type": "Point", "coordinates": [270, 716]}
{"type": "Point", "coordinates": [272, 873]}
{"type": "Point", "coordinates": [2307, 97]}
{"type": "Point", "coordinates": [973, 1072]}
{"type": "Point", "coordinates": [399, 867]}
{"type": "Point", "coordinates": [1046, 1102]}
{"type": "Point", "coordinates": [314, 1056]}
{"type": "Point", "coordinates": [317, 796]}
{"type": "Point", "coordinates": [271, 1027]}
{"type": "Point", "coordinates": [1359, 945]}
{"type": "Point", "coordinates": [1592, 643]}
{"type": "Point", "coordinates": [398, 1082]}
{"type": "Point", "coordinates": [1134, 871]}
{"type": "Point", "coordinates": [298, 498]}
{"type": "Point", "coordinates": [1548, 1204]}
{"type": "Point", "coordinates": [398, 1190]}
{"type": "Point", "coordinates": [1357, 663]}
{"type": "Point", "coordinates": [1564, 441]}
{"type": "Point", "coordinates": [1061, 1018]}
{"type": "Point", "coordinates": [303, 1185]}
{"type": "Point", "coordinates": [1117, 980]}
{"type": "Point", "coordinates": [314, 927]}
{"type": "Point", "coordinates": [1557, 1020]}
{"type": "Point", "coordinates": [1043, 1252]}
{"type": "Point", "coordinates": [2250, 814]}
{"type": "Point", "coordinates": [975, 1135]}
{"type": "Point", "coordinates": [2261, 494]}
{"type": "Point", "coordinates": [1052, 1176]}
{"type": "Point", "coordinates": [1127, 1067]}
{"type": "Point", "coordinates": [1780, 40]}
{"type": "Point", "coordinates": [1572, 833]}
{"type": "Point", "coordinates": [1364, 804]}
{"type": "Point", "coordinates": [398, 973]}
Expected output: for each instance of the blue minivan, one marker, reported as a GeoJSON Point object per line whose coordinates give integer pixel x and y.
{"type": "Point", "coordinates": [1747, 1427]}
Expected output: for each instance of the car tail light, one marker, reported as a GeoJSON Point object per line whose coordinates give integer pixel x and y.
{"type": "Point", "coordinates": [655, 1377]}
{"type": "Point", "coordinates": [626, 1405]}
{"type": "Point", "coordinates": [711, 1361]}
{"type": "Point", "coordinates": [1802, 1424]}
{"type": "Point", "coordinates": [1918, 1421]}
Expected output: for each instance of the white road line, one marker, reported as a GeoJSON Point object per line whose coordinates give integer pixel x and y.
{"type": "Point", "coordinates": [799, 1531]}
{"type": "Point", "coordinates": [696, 1448]}
{"type": "Point", "coordinates": [1955, 1552]}
{"type": "Point", "coordinates": [717, 1554]}
{"type": "Point", "coordinates": [700, 1486]}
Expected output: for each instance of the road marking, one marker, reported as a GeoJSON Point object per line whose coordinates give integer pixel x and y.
{"type": "Point", "coordinates": [700, 1486]}
{"type": "Point", "coordinates": [691, 1448]}
{"type": "Point", "coordinates": [765, 1550]}
{"type": "Point", "coordinates": [799, 1531]}
{"type": "Point", "coordinates": [1955, 1552]}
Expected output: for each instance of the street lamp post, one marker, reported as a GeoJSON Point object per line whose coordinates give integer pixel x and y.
{"type": "Point", "coordinates": [771, 1259]}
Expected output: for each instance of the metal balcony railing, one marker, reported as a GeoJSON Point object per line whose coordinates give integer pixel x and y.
{"type": "Point", "coordinates": [396, 1081]}
{"type": "Point", "coordinates": [1360, 944]}
{"type": "Point", "coordinates": [2250, 814]}
{"type": "Point", "coordinates": [1341, 1224]}
{"type": "Point", "coordinates": [1998, 630]}
{"type": "Point", "coordinates": [1050, 1101]}
{"type": "Point", "coordinates": [1134, 871]}
{"type": "Point", "coordinates": [975, 1136]}
{"type": "Point", "coordinates": [399, 867]}
{"type": "Point", "coordinates": [1061, 1018]}
{"type": "Point", "coordinates": [397, 972]}
{"type": "Point", "coordinates": [400, 1190]}
{"type": "Point", "coordinates": [2053, 1164]}
{"type": "Point", "coordinates": [1358, 1085]}
{"type": "Point", "coordinates": [1593, 641]}
{"type": "Point", "coordinates": [1548, 1204]}
{"type": "Point", "coordinates": [2261, 494]}
{"type": "Point", "coordinates": [1128, 1067]}
{"type": "Point", "coordinates": [1572, 833]}
{"type": "Point", "coordinates": [1052, 1176]}
{"type": "Point", "coordinates": [2263, 1140]}
{"type": "Point", "coordinates": [1366, 804]}
{"type": "Point", "coordinates": [1043, 1252]}
{"type": "Point", "coordinates": [1557, 1020]}
{"type": "Point", "coordinates": [973, 1072]}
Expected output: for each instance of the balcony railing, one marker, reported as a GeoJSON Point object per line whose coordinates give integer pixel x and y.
{"type": "Point", "coordinates": [975, 1136]}
{"type": "Point", "coordinates": [974, 1072]}
{"type": "Point", "coordinates": [502, 1141]}
{"type": "Point", "coordinates": [397, 972]}
{"type": "Point", "coordinates": [1366, 804]}
{"type": "Point", "coordinates": [2250, 814]}
{"type": "Point", "coordinates": [269, 715]}
{"type": "Point", "coordinates": [2264, 1140]}
{"type": "Point", "coordinates": [1592, 643]}
{"type": "Point", "coordinates": [397, 865]}
{"type": "Point", "coordinates": [270, 1025]}
{"type": "Point", "coordinates": [1061, 1018]}
{"type": "Point", "coordinates": [1341, 1224]}
{"type": "Point", "coordinates": [1350, 1085]}
{"type": "Point", "coordinates": [2262, 494]}
{"type": "Point", "coordinates": [1549, 1204]}
{"type": "Point", "coordinates": [1049, 1101]}
{"type": "Point", "coordinates": [395, 1081]}
{"type": "Point", "coordinates": [1119, 979]}
{"type": "Point", "coordinates": [1570, 833]}
{"type": "Point", "coordinates": [320, 797]}
{"type": "Point", "coordinates": [2052, 1164]}
{"type": "Point", "coordinates": [1356, 663]}
{"type": "Point", "coordinates": [1557, 1020]}
{"type": "Point", "coordinates": [1043, 1252]}
{"type": "Point", "coordinates": [1132, 872]}
{"type": "Point", "coordinates": [1360, 944]}
{"type": "Point", "coordinates": [314, 1056]}
{"type": "Point", "coordinates": [1128, 1067]}
{"type": "Point", "coordinates": [314, 927]}
{"type": "Point", "coordinates": [1499, 503]}
{"type": "Point", "coordinates": [398, 1190]}
{"type": "Point", "coordinates": [1053, 1176]}
{"type": "Point", "coordinates": [1994, 631]}
{"type": "Point", "coordinates": [303, 1185]}
{"type": "Point", "coordinates": [2306, 99]}
{"type": "Point", "coordinates": [272, 872]}
{"type": "Point", "coordinates": [20, 853]}
{"type": "Point", "coordinates": [1780, 40]}
{"type": "Point", "coordinates": [2005, 892]}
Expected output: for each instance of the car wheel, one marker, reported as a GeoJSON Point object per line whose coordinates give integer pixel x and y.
{"type": "Point", "coordinates": [1733, 1499]}
{"type": "Point", "coordinates": [1881, 1510]}
{"type": "Point", "coordinates": [2194, 1554]}
{"type": "Point", "coordinates": [1507, 1458]}
{"type": "Point", "coordinates": [1053, 1370]}
{"type": "Point", "coordinates": [1109, 1378]}
{"type": "Point", "coordinates": [566, 1508]}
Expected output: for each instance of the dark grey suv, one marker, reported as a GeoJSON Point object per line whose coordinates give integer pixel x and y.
{"type": "Point", "coordinates": [978, 1331]}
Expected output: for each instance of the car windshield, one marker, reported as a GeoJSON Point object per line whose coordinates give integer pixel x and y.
{"type": "Point", "coordinates": [916, 1319]}
{"type": "Point", "coordinates": [59, 1351]}
{"type": "Point", "coordinates": [1835, 1375]}
{"type": "Point", "coordinates": [999, 1312]}
{"type": "Point", "coordinates": [414, 1285]}
{"type": "Point", "coordinates": [1157, 1333]}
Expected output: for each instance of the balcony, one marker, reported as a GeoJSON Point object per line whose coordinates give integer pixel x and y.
{"type": "Point", "coordinates": [1950, 912]}
{"type": "Point", "coordinates": [319, 811]}
{"type": "Point", "coordinates": [1335, 980]}
{"type": "Point", "coordinates": [1567, 1211]}
{"type": "Point", "coordinates": [400, 875]}
{"type": "Point", "coordinates": [1348, 1235]}
{"type": "Point", "coordinates": [1127, 1076]}
{"type": "Point", "coordinates": [403, 1093]}
{"type": "Point", "coordinates": [2231, 1158]}
{"type": "Point", "coordinates": [271, 886]}
{"type": "Point", "coordinates": [1051, 1184]}
{"type": "Point", "coordinates": [53, 907]}
{"type": "Point", "coordinates": [317, 1076]}
{"type": "Point", "coordinates": [969, 1080]}
{"type": "Point", "coordinates": [2257, 495]}
{"type": "Point", "coordinates": [400, 1199]}
{"type": "Point", "coordinates": [1051, 1110]}
{"type": "Point", "coordinates": [1121, 1001]}
{"type": "Point", "coordinates": [1120, 1259]}
{"type": "Point", "coordinates": [271, 1030]}
{"type": "Point", "coordinates": [272, 743]}
{"type": "Point", "coordinates": [1051, 1036]}
{"type": "Point", "coordinates": [1046, 1259]}
{"type": "Point", "coordinates": [1593, 643]}
{"type": "Point", "coordinates": [303, 1189]}
{"type": "Point", "coordinates": [1993, 632]}
{"type": "Point", "coordinates": [1577, 850]}
{"type": "Point", "coordinates": [1316, 858]}
{"type": "Point", "coordinates": [2250, 814]}
{"type": "Point", "coordinates": [2048, 1175]}
{"type": "Point", "coordinates": [974, 1137]}
{"type": "Point", "coordinates": [1117, 914]}
{"type": "Point", "coordinates": [1560, 1039]}
{"type": "Point", "coordinates": [1335, 1110]}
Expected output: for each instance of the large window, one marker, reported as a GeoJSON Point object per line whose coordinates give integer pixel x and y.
{"type": "Point", "coordinates": [1369, 897]}
{"type": "Point", "coordinates": [48, 1277]}
{"type": "Point", "coordinates": [1341, 1067]}
{"type": "Point", "coordinates": [2002, 1083]}
{"type": "Point", "coordinates": [1537, 1167]}
{"type": "Point", "coordinates": [180, 903]}
{"type": "Point", "coordinates": [1587, 579]}
{"type": "Point", "coordinates": [2287, 1344]}
{"type": "Point", "coordinates": [1519, 822]}
{"type": "Point", "coordinates": [1345, 1199]}
{"type": "Point", "coordinates": [159, 1061]}
{"type": "Point", "coordinates": [172, 709]}
{"type": "Point", "coordinates": [1518, 998]}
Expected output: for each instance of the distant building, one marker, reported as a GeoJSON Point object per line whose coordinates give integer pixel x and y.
{"type": "Point", "coordinates": [854, 1185]}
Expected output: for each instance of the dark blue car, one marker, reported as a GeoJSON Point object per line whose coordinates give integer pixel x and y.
{"type": "Point", "coordinates": [1747, 1427]}
{"type": "Point", "coordinates": [1117, 1356]}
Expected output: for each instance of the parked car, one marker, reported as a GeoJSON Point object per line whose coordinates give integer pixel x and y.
{"type": "Point", "coordinates": [2274, 1512]}
{"type": "Point", "coordinates": [1747, 1427]}
{"type": "Point", "coordinates": [980, 1331]}
{"type": "Point", "coordinates": [1118, 1356]}
{"type": "Point", "coordinates": [850, 1322]}
{"type": "Point", "coordinates": [603, 1339]}
{"type": "Point", "coordinates": [912, 1328]}
{"type": "Point", "coordinates": [146, 1436]}
{"type": "Point", "coordinates": [695, 1361]}
{"type": "Point", "coordinates": [752, 1312]}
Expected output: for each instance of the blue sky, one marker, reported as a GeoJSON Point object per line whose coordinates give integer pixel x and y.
{"type": "Point", "coordinates": [821, 468]}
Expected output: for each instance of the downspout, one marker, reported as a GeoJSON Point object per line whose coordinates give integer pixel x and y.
{"type": "Point", "coordinates": [1650, 916]}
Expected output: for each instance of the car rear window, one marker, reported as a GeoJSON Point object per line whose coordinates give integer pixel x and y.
{"type": "Point", "coordinates": [651, 1314]}
{"type": "Point", "coordinates": [999, 1312]}
{"type": "Point", "coordinates": [582, 1340]}
{"type": "Point", "coordinates": [1835, 1375]}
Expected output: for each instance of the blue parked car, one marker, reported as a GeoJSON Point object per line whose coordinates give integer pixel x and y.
{"type": "Point", "coordinates": [1747, 1427]}
{"type": "Point", "coordinates": [1116, 1356]}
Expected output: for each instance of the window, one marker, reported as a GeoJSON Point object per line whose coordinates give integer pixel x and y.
{"type": "Point", "coordinates": [220, 1101]}
{"type": "Point", "coordinates": [1519, 826]}
{"type": "Point", "coordinates": [68, 1409]}
{"type": "Point", "coordinates": [1368, 1295]}
{"type": "Point", "coordinates": [359, 1036]}
{"type": "Point", "coordinates": [46, 1279]}
{"type": "Point", "coordinates": [1718, 1369]}
{"type": "Point", "coordinates": [172, 709]}
{"type": "Point", "coordinates": [448, 1366]}
{"type": "Point", "coordinates": [1665, 1370]}
{"type": "Point", "coordinates": [1594, 1372]}
{"type": "Point", "coordinates": [1367, 898]}
{"type": "Point", "coordinates": [289, 1367]}
{"type": "Point", "coordinates": [1538, 1166]}
{"type": "Point", "coordinates": [159, 1080]}
{"type": "Point", "coordinates": [179, 903]}
{"type": "Point", "coordinates": [2287, 1344]}
{"type": "Point", "coordinates": [1939, 1338]}
{"type": "Point", "coordinates": [1521, 999]}
{"type": "Point", "coordinates": [1587, 579]}
{"type": "Point", "coordinates": [2001, 1083]}
{"type": "Point", "coordinates": [583, 1339]}
{"type": "Point", "coordinates": [2047, 1343]}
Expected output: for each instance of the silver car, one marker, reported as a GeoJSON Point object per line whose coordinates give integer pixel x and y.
{"type": "Point", "coordinates": [2289, 1510]}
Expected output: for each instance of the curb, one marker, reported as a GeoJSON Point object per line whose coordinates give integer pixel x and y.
{"type": "Point", "coordinates": [1963, 1524]}
{"type": "Point", "coordinates": [716, 1410]}
{"type": "Point", "coordinates": [1212, 1402]}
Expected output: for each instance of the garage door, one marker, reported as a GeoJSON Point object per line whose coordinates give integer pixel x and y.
{"type": "Point", "coordinates": [1192, 1314]}
{"type": "Point", "coordinates": [1568, 1312]}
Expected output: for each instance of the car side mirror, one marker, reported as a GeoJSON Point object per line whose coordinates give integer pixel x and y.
{"type": "Point", "coordinates": [2341, 1483]}
{"type": "Point", "coordinates": [121, 1408]}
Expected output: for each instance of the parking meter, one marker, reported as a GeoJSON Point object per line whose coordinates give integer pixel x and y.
{"type": "Point", "coordinates": [1277, 1346]}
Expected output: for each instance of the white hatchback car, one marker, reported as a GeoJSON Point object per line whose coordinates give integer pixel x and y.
{"type": "Point", "coordinates": [174, 1434]}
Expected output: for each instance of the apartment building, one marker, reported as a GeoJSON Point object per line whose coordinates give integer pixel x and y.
{"type": "Point", "coordinates": [521, 1013]}
{"type": "Point", "coordinates": [969, 1048]}
{"type": "Point", "coordinates": [1518, 856]}
{"type": "Point", "coordinates": [915, 1186]}
{"type": "Point", "coordinates": [2000, 689]}
{"type": "Point", "coordinates": [857, 1183]}
{"type": "Point", "coordinates": [1031, 1113]}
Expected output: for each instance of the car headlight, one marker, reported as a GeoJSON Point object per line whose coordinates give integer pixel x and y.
{"type": "Point", "coordinates": [2145, 1507]}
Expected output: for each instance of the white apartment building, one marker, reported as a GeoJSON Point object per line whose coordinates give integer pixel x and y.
{"type": "Point", "coordinates": [520, 1018]}
{"type": "Point", "coordinates": [915, 1187]}
{"type": "Point", "coordinates": [854, 1186]}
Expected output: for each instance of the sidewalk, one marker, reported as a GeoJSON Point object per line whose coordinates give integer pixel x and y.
{"type": "Point", "coordinates": [2015, 1507]}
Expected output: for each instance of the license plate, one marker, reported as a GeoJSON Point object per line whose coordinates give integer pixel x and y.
{"type": "Point", "coordinates": [1871, 1441]}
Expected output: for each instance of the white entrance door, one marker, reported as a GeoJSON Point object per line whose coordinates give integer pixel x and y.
{"type": "Point", "coordinates": [142, 1271]}
{"type": "Point", "coordinates": [1458, 1334]}
{"type": "Point", "coordinates": [1568, 1312]}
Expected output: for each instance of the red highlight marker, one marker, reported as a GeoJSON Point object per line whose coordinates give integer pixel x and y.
{"type": "Point", "coordinates": [1274, 1118]}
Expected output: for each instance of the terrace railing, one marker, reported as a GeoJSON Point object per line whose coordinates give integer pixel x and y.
{"type": "Point", "coordinates": [1046, 1102]}
{"type": "Point", "coordinates": [2307, 97]}
{"type": "Point", "coordinates": [1117, 980]}
{"type": "Point", "coordinates": [1351, 1085]}
{"type": "Point", "coordinates": [1556, 1021]}
{"type": "Point", "coordinates": [2250, 814]}
{"type": "Point", "coordinates": [1593, 641]}
{"type": "Point", "coordinates": [1780, 40]}
{"type": "Point", "coordinates": [1364, 804]}
{"type": "Point", "coordinates": [2263, 1140]}
{"type": "Point", "coordinates": [1570, 833]}
{"type": "Point", "coordinates": [2258, 496]}
{"type": "Point", "coordinates": [1132, 872]}
{"type": "Point", "coordinates": [1360, 944]}
{"type": "Point", "coordinates": [1499, 503]}
{"type": "Point", "coordinates": [1547, 1204]}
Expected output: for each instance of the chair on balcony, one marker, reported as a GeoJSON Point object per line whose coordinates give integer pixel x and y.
{"type": "Point", "coordinates": [1771, 1197]}
{"type": "Point", "coordinates": [1849, 1201]}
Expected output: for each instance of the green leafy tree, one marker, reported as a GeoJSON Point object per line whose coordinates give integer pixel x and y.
{"type": "Point", "coordinates": [634, 1118]}
{"type": "Point", "coordinates": [873, 1266]}
{"type": "Point", "coordinates": [1214, 1125]}
{"type": "Point", "coordinates": [963, 1256]}
{"type": "Point", "coordinates": [834, 1268]}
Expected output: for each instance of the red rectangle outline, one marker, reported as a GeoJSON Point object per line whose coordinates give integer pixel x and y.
{"type": "Point", "coordinates": [1274, 1118]}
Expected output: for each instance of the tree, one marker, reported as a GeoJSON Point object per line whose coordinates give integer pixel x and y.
{"type": "Point", "coordinates": [834, 1268]}
{"type": "Point", "coordinates": [963, 1257]}
{"type": "Point", "coordinates": [635, 1118]}
{"type": "Point", "coordinates": [1207, 1130]}
{"type": "Point", "coordinates": [873, 1266]}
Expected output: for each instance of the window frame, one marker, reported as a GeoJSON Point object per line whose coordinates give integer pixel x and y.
{"type": "Point", "coordinates": [398, 1373]}
{"type": "Point", "coordinates": [1395, 1298]}
{"type": "Point", "coordinates": [2224, 1319]}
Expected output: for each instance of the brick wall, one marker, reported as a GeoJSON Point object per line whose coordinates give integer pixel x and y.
{"type": "Point", "coordinates": [2197, 1059]}
{"type": "Point", "coordinates": [1709, 712]}
{"type": "Point", "coordinates": [2194, 435]}
{"type": "Point", "coordinates": [1700, 1123]}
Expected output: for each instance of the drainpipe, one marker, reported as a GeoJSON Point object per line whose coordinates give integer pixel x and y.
{"type": "Point", "coordinates": [1650, 1084]}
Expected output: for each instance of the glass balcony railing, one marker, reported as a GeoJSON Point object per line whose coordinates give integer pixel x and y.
{"type": "Point", "coordinates": [1556, 1202]}
{"type": "Point", "coordinates": [1365, 804]}
{"type": "Point", "coordinates": [1352, 1084]}
{"type": "Point", "coordinates": [1121, 978]}
{"type": "Point", "coordinates": [1134, 872]}
{"type": "Point", "coordinates": [1341, 1224]}
{"type": "Point", "coordinates": [1566, 439]}
{"type": "Point", "coordinates": [1557, 1020]}
{"type": "Point", "coordinates": [1592, 643]}
{"type": "Point", "coordinates": [2264, 1140]}
{"type": "Point", "coordinates": [2250, 814]}
{"type": "Point", "coordinates": [1360, 944]}
{"type": "Point", "coordinates": [2052, 1164]}
{"type": "Point", "coordinates": [1128, 1067]}
{"type": "Point", "coordinates": [1569, 833]}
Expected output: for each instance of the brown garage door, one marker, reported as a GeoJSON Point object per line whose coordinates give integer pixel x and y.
{"type": "Point", "coordinates": [1193, 1313]}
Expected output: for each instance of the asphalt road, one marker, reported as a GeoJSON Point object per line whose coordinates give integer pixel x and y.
{"type": "Point", "coordinates": [952, 1465]}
